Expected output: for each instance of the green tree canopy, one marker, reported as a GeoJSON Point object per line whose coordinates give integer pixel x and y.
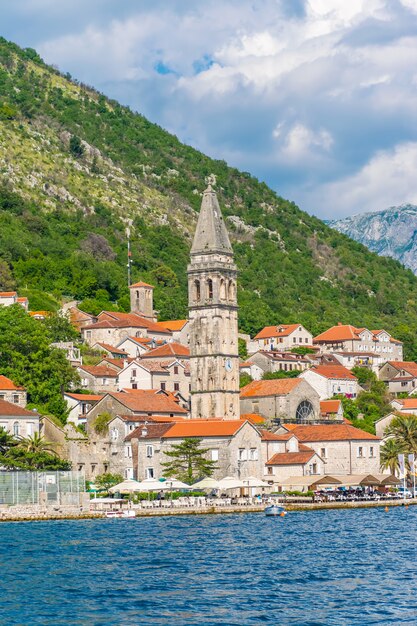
{"type": "Point", "coordinates": [188, 461]}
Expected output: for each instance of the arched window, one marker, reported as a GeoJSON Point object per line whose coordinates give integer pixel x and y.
{"type": "Point", "coordinates": [222, 290]}
{"type": "Point", "coordinates": [197, 292]}
{"type": "Point", "coordinates": [231, 290]}
{"type": "Point", "coordinates": [137, 295]}
{"type": "Point", "coordinates": [16, 429]}
{"type": "Point", "coordinates": [210, 289]}
{"type": "Point", "coordinates": [304, 411]}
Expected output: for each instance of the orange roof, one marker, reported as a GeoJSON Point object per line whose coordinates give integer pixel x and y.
{"type": "Point", "coordinates": [329, 432]}
{"type": "Point", "coordinates": [268, 436]}
{"type": "Point", "coordinates": [111, 319]}
{"type": "Point", "coordinates": [204, 428]}
{"type": "Point", "coordinates": [110, 348]}
{"type": "Point", "coordinates": [330, 406]}
{"type": "Point", "coordinates": [333, 371]}
{"type": "Point", "coordinates": [282, 330]}
{"type": "Point", "coordinates": [408, 366]}
{"type": "Point", "coordinates": [172, 349]}
{"type": "Point", "coordinates": [23, 299]}
{"type": "Point", "coordinates": [148, 401]}
{"type": "Point", "coordinates": [7, 294]}
{"type": "Point", "coordinates": [254, 418]}
{"type": "Point", "coordinates": [341, 332]}
{"type": "Point", "coordinates": [7, 384]}
{"type": "Point", "coordinates": [291, 458]}
{"type": "Point", "coordinates": [10, 408]}
{"type": "Point", "coordinates": [40, 313]}
{"type": "Point", "coordinates": [173, 325]}
{"type": "Point", "coordinates": [99, 370]}
{"type": "Point", "coordinates": [86, 397]}
{"type": "Point", "coordinates": [275, 387]}
{"type": "Point", "coordinates": [142, 284]}
{"type": "Point", "coordinates": [407, 403]}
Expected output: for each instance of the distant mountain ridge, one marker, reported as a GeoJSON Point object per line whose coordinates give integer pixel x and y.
{"type": "Point", "coordinates": [391, 232]}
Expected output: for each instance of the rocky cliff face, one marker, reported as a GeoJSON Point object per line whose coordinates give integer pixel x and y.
{"type": "Point", "coordinates": [392, 232]}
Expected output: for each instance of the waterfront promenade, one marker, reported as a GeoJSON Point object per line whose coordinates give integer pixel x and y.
{"type": "Point", "coordinates": [29, 513]}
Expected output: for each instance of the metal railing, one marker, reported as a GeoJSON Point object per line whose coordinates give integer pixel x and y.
{"type": "Point", "coordinates": [46, 488]}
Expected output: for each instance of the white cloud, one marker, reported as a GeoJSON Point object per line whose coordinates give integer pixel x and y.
{"type": "Point", "coordinates": [388, 179]}
{"type": "Point", "coordinates": [302, 143]}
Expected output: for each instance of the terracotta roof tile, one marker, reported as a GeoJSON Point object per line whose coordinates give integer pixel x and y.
{"type": "Point", "coordinates": [253, 418]}
{"type": "Point", "coordinates": [329, 432]}
{"type": "Point", "coordinates": [86, 397]}
{"type": "Point", "coordinates": [333, 371]}
{"type": "Point", "coordinates": [110, 348]}
{"type": "Point", "coordinates": [281, 330]}
{"type": "Point", "coordinates": [154, 431]}
{"type": "Point", "coordinates": [167, 350]}
{"type": "Point", "coordinates": [204, 428]}
{"type": "Point", "coordinates": [268, 436]}
{"type": "Point", "coordinates": [7, 294]}
{"type": "Point", "coordinates": [110, 319]}
{"type": "Point", "coordinates": [99, 370]}
{"type": "Point", "coordinates": [275, 387]}
{"type": "Point", "coordinates": [8, 385]}
{"type": "Point", "coordinates": [330, 406]}
{"type": "Point", "coordinates": [291, 458]}
{"type": "Point", "coordinates": [141, 284]}
{"type": "Point", "coordinates": [173, 325]}
{"type": "Point", "coordinates": [10, 408]}
{"type": "Point", "coordinates": [407, 403]}
{"type": "Point", "coordinates": [149, 401]}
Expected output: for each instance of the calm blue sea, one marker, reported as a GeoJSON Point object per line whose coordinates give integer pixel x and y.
{"type": "Point", "coordinates": [309, 568]}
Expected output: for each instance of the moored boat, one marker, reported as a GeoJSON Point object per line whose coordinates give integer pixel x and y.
{"type": "Point", "coordinates": [275, 509]}
{"type": "Point", "coordinates": [124, 513]}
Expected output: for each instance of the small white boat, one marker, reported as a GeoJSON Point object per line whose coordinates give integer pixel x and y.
{"type": "Point", "coordinates": [275, 509]}
{"type": "Point", "coordinates": [124, 513]}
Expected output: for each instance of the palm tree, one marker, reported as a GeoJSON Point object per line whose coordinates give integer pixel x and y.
{"type": "Point", "coordinates": [389, 455]}
{"type": "Point", "coordinates": [403, 429]}
{"type": "Point", "coordinates": [6, 441]}
{"type": "Point", "coordinates": [36, 443]}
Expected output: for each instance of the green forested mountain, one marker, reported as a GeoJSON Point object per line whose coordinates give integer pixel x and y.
{"type": "Point", "coordinates": [75, 165]}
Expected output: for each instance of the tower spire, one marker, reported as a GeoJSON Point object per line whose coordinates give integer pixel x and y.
{"type": "Point", "coordinates": [211, 233]}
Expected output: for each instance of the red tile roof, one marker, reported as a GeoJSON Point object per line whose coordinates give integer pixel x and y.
{"type": "Point", "coordinates": [275, 387]}
{"type": "Point", "coordinates": [408, 366]}
{"type": "Point", "coordinates": [110, 319]}
{"type": "Point", "coordinates": [329, 432]}
{"type": "Point", "coordinates": [142, 284]}
{"type": "Point", "coordinates": [291, 458]}
{"type": "Point", "coordinates": [172, 349]}
{"type": "Point", "coordinates": [173, 325]}
{"type": "Point", "coordinates": [110, 348]}
{"type": "Point", "coordinates": [148, 401]}
{"type": "Point", "coordinates": [7, 294]}
{"type": "Point", "coordinates": [268, 436]}
{"type": "Point", "coordinates": [10, 408]}
{"type": "Point", "coordinates": [346, 332]}
{"type": "Point", "coordinates": [333, 371]}
{"type": "Point", "coordinates": [84, 397]}
{"type": "Point", "coordinates": [8, 385]}
{"type": "Point", "coordinates": [407, 403]}
{"type": "Point", "coordinates": [99, 370]}
{"type": "Point", "coordinates": [154, 431]}
{"type": "Point", "coordinates": [282, 330]}
{"type": "Point", "coordinates": [204, 428]}
{"type": "Point", "coordinates": [329, 406]}
{"type": "Point", "coordinates": [254, 418]}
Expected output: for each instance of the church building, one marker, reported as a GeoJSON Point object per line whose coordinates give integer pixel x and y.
{"type": "Point", "coordinates": [212, 296]}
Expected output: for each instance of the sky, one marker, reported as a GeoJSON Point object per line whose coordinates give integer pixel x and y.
{"type": "Point", "coordinates": [315, 97]}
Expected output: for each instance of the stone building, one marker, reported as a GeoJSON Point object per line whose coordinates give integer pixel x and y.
{"type": "Point", "coordinates": [98, 378]}
{"type": "Point", "coordinates": [213, 309]}
{"type": "Point", "coordinates": [282, 398]}
{"type": "Point", "coordinates": [280, 361]}
{"type": "Point", "coordinates": [344, 449]}
{"type": "Point", "coordinates": [112, 327]}
{"type": "Point", "coordinates": [281, 338]}
{"type": "Point", "coordinates": [79, 404]}
{"type": "Point", "coordinates": [173, 376]}
{"type": "Point", "coordinates": [235, 446]}
{"type": "Point", "coordinates": [400, 376]}
{"type": "Point", "coordinates": [11, 392]}
{"type": "Point", "coordinates": [348, 338]}
{"type": "Point", "coordinates": [141, 300]}
{"type": "Point", "coordinates": [18, 421]}
{"type": "Point", "coordinates": [332, 380]}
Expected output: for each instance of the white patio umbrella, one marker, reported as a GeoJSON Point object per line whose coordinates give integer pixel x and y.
{"type": "Point", "coordinates": [206, 483]}
{"type": "Point", "coordinates": [174, 483]}
{"type": "Point", "coordinates": [252, 481]}
{"type": "Point", "coordinates": [229, 482]}
{"type": "Point", "coordinates": [127, 486]}
{"type": "Point", "coordinates": [151, 484]}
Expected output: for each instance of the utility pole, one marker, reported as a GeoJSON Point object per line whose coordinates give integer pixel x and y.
{"type": "Point", "coordinates": [129, 252]}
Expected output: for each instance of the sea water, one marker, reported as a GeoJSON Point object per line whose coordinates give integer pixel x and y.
{"type": "Point", "coordinates": [330, 567]}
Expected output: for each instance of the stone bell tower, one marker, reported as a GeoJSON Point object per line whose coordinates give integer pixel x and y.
{"type": "Point", "coordinates": [212, 306]}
